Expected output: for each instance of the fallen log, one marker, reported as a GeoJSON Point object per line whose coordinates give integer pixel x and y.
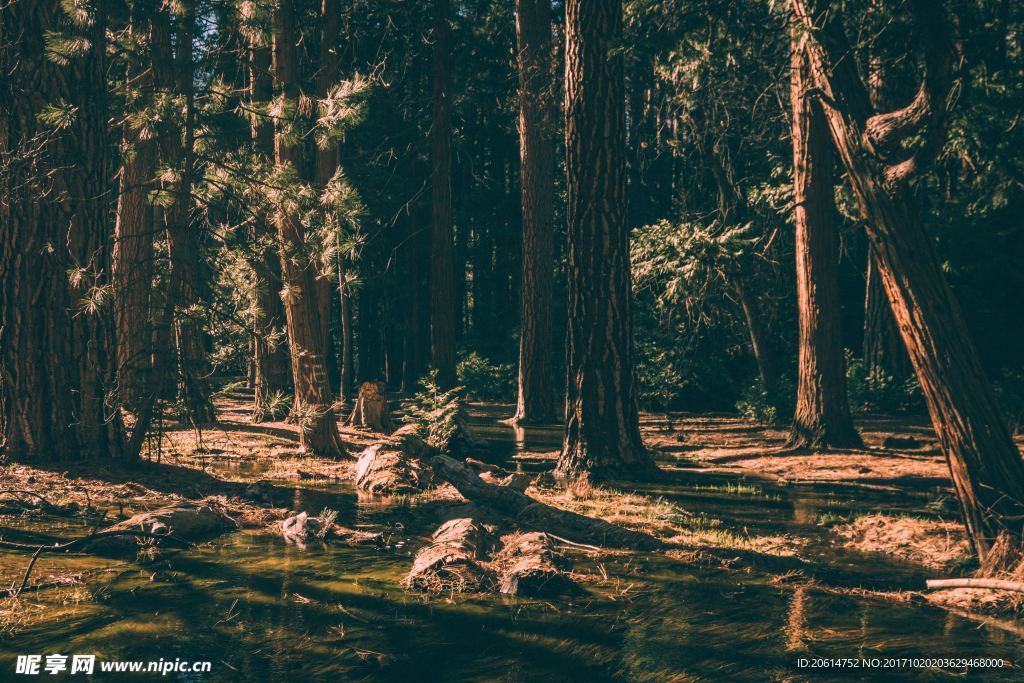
{"type": "Point", "coordinates": [186, 522]}
{"type": "Point", "coordinates": [533, 514]}
{"type": "Point", "coordinates": [993, 584]}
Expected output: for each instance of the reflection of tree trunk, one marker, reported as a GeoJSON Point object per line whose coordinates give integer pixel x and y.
{"type": "Point", "coordinates": [536, 401]}
{"type": "Point", "coordinates": [985, 464]}
{"type": "Point", "coordinates": [133, 249]}
{"type": "Point", "coordinates": [174, 73]}
{"type": "Point", "coordinates": [318, 429]}
{"type": "Point", "coordinates": [602, 434]}
{"type": "Point", "coordinates": [442, 284]}
{"type": "Point", "coordinates": [271, 353]}
{"type": "Point", "coordinates": [57, 355]}
{"type": "Point", "coordinates": [822, 416]}
{"type": "Point", "coordinates": [796, 620]}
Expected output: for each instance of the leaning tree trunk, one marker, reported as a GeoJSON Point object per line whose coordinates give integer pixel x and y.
{"type": "Point", "coordinates": [132, 266]}
{"type": "Point", "coordinates": [602, 433]}
{"type": "Point", "coordinates": [57, 355]}
{"type": "Point", "coordinates": [884, 354]}
{"type": "Point", "coordinates": [822, 416]}
{"type": "Point", "coordinates": [882, 349]}
{"type": "Point", "coordinates": [442, 283]}
{"type": "Point", "coordinates": [536, 402]}
{"type": "Point", "coordinates": [271, 352]}
{"type": "Point", "coordinates": [985, 464]}
{"type": "Point", "coordinates": [318, 427]}
{"type": "Point", "coordinates": [173, 72]}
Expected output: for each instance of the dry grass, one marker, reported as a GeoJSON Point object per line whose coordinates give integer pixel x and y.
{"type": "Point", "coordinates": [659, 517]}
{"type": "Point", "coordinates": [932, 543]}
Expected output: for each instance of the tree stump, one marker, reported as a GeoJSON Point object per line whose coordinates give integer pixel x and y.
{"type": "Point", "coordinates": [371, 408]}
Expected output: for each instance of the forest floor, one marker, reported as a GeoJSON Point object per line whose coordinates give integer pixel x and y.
{"type": "Point", "coordinates": [238, 466]}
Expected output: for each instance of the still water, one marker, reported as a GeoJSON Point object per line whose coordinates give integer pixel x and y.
{"type": "Point", "coordinates": [262, 610]}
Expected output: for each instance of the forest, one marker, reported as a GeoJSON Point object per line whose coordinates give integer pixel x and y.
{"type": "Point", "coordinates": [626, 340]}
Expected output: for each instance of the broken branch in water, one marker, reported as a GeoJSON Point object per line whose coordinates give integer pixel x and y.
{"type": "Point", "coordinates": [86, 540]}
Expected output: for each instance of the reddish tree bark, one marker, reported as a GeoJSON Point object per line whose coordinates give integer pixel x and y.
{"type": "Point", "coordinates": [271, 363]}
{"type": "Point", "coordinates": [536, 401]}
{"type": "Point", "coordinates": [602, 434]}
{"type": "Point", "coordinates": [173, 73]}
{"type": "Point", "coordinates": [822, 416]}
{"type": "Point", "coordinates": [985, 465]}
{"type": "Point", "coordinates": [318, 428]}
{"type": "Point", "coordinates": [132, 266]}
{"type": "Point", "coordinates": [57, 354]}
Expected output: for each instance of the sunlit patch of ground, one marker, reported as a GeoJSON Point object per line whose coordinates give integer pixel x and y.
{"type": "Point", "coordinates": [936, 544]}
{"type": "Point", "coordinates": [730, 443]}
{"type": "Point", "coordinates": [660, 518]}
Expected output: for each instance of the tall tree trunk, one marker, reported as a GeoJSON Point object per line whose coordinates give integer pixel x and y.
{"type": "Point", "coordinates": [985, 464]}
{"type": "Point", "coordinates": [327, 163]}
{"type": "Point", "coordinates": [272, 367]}
{"type": "Point", "coordinates": [173, 73]}
{"type": "Point", "coordinates": [822, 416]}
{"type": "Point", "coordinates": [536, 401]}
{"type": "Point", "coordinates": [345, 388]}
{"type": "Point", "coordinates": [883, 351]}
{"type": "Point", "coordinates": [442, 284]}
{"type": "Point", "coordinates": [318, 428]}
{"type": "Point", "coordinates": [132, 266]}
{"type": "Point", "coordinates": [602, 433]}
{"type": "Point", "coordinates": [57, 355]}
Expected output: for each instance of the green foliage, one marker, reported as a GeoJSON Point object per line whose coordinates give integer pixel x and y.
{"type": "Point", "coordinates": [435, 413]}
{"type": "Point", "coordinates": [755, 405]}
{"type": "Point", "coordinates": [879, 393]}
{"type": "Point", "coordinates": [277, 404]}
{"type": "Point", "coordinates": [660, 384]}
{"type": "Point", "coordinates": [486, 381]}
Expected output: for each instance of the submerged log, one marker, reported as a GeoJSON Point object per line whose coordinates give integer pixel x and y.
{"type": "Point", "coordinates": [452, 561]}
{"type": "Point", "coordinates": [529, 565]}
{"type": "Point", "coordinates": [532, 513]}
{"type": "Point", "coordinates": [186, 522]}
{"type": "Point", "coordinates": [371, 409]}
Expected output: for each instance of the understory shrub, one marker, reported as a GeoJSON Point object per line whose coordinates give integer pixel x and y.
{"type": "Point", "coordinates": [883, 394]}
{"type": "Point", "coordinates": [435, 412]}
{"type": "Point", "coordinates": [486, 381]}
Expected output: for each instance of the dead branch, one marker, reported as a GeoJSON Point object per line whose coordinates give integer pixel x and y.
{"type": "Point", "coordinates": [993, 584]}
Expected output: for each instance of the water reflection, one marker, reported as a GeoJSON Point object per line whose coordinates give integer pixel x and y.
{"type": "Point", "coordinates": [261, 609]}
